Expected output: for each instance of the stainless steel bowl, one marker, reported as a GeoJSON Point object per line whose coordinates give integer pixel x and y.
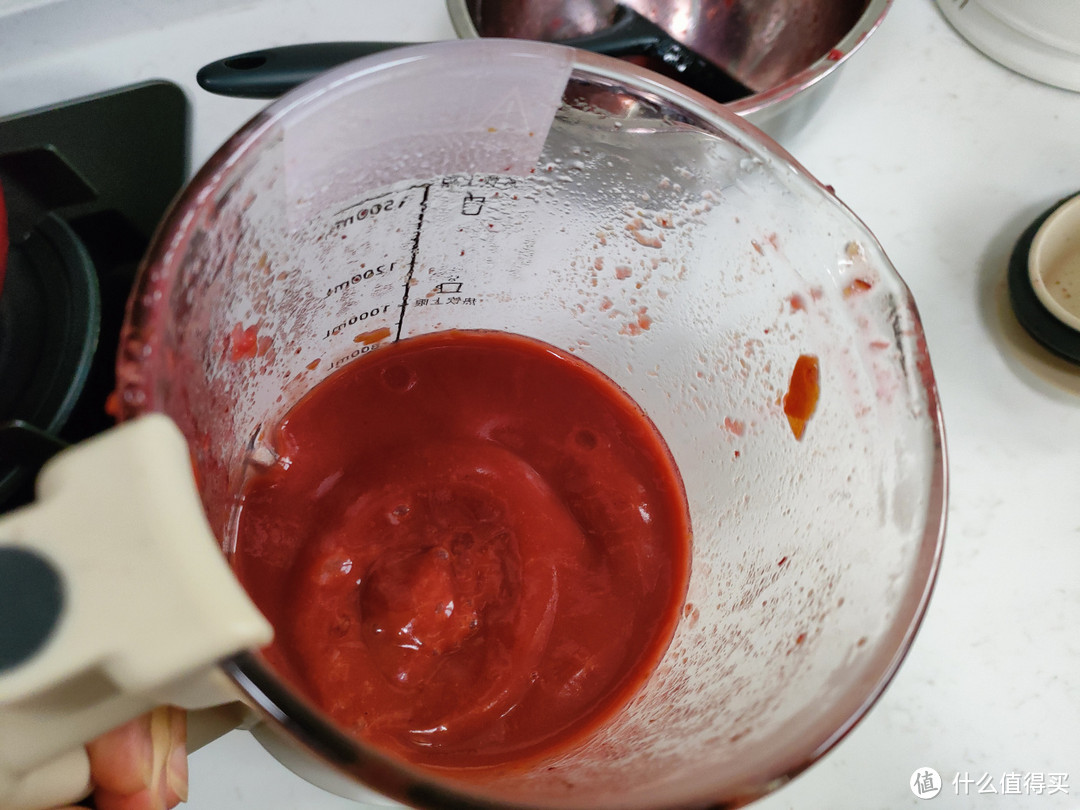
{"type": "Point", "coordinates": [787, 51]}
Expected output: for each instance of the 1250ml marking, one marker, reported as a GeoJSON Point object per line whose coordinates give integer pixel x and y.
{"type": "Point", "coordinates": [359, 278]}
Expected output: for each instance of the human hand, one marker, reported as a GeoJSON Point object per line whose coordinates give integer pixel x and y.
{"type": "Point", "coordinates": [141, 765]}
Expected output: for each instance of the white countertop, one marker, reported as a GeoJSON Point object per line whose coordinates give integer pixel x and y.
{"type": "Point", "coordinates": [947, 157]}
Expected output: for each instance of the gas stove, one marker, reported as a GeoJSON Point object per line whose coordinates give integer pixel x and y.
{"type": "Point", "coordinates": [85, 183]}
{"type": "Point", "coordinates": [101, 123]}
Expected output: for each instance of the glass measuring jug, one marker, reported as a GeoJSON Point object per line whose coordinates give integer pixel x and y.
{"type": "Point", "coordinates": [532, 189]}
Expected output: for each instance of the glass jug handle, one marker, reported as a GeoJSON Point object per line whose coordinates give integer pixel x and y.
{"type": "Point", "coordinates": [114, 598]}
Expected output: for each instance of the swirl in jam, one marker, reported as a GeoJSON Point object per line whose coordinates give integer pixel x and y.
{"type": "Point", "coordinates": [473, 548]}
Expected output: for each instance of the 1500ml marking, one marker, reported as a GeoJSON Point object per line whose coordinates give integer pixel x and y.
{"type": "Point", "coordinates": [366, 211]}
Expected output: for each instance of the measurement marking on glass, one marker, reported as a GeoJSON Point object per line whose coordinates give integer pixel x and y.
{"type": "Point", "coordinates": [412, 261]}
{"type": "Point", "coordinates": [376, 208]}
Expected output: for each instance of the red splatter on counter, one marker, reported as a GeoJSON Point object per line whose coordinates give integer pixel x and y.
{"type": "Point", "coordinates": [475, 547]}
{"type": "Point", "coordinates": [801, 398]}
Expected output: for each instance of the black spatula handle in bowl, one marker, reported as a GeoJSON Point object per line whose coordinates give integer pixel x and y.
{"type": "Point", "coordinates": [273, 71]}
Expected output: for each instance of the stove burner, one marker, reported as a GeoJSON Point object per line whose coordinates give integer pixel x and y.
{"type": "Point", "coordinates": [50, 315]}
{"type": "Point", "coordinates": [86, 183]}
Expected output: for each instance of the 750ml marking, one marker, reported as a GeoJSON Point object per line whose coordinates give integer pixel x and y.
{"type": "Point", "coordinates": [355, 319]}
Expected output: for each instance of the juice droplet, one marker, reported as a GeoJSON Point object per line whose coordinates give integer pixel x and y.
{"type": "Point", "coordinates": [801, 399]}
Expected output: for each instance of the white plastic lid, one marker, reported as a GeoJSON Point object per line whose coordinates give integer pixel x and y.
{"type": "Point", "coordinates": [1039, 38]}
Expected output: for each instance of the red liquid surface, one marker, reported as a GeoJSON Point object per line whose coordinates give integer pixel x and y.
{"type": "Point", "coordinates": [473, 549]}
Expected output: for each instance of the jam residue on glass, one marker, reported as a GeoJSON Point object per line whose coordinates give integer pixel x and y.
{"type": "Point", "coordinates": [801, 398]}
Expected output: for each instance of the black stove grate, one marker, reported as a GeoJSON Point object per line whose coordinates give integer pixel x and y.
{"type": "Point", "coordinates": [86, 183]}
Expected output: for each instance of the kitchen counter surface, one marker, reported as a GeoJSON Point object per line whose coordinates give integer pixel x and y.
{"type": "Point", "coordinates": [947, 157]}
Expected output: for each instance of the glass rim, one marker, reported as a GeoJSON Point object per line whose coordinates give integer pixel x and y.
{"type": "Point", "coordinates": [306, 725]}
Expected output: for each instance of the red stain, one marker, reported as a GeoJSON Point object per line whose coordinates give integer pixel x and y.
{"type": "Point", "coordinates": [859, 285]}
{"type": "Point", "coordinates": [635, 228]}
{"type": "Point", "coordinates": [734, 426]}
{"type": "Point", "coordinates": [641, 324]}
{"type": "Point", "coordinates": [835, 55]}
{"type": "Point", "coordinates": [797, 303]}
{"type": "Point", "coordinates": [243, 344]}
{"type": "Point", "coordinates": [801, 400]}
{"type": "Point", "coordinates": [112, 405]}
{"type": "Point", "coordinates": [374, 336]}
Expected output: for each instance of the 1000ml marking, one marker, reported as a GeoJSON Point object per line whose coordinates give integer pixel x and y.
{"type": "Point", "coordinates": [355, 319]}
{"type": "Point", "coordinates": [357, 278]}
